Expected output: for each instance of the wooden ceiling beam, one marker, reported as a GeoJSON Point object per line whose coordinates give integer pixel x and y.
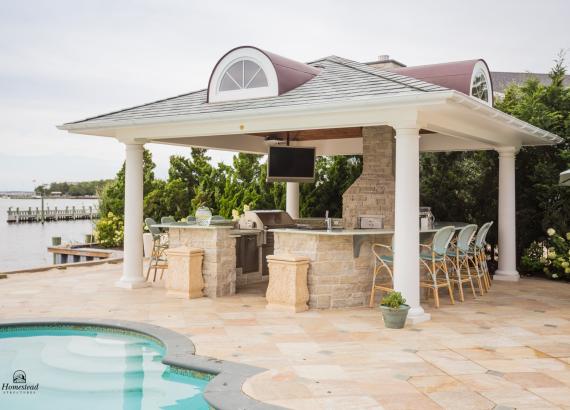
{"type": "Point", "coordinates": [320, 134]}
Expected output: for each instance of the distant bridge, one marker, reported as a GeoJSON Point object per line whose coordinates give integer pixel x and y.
{"type": "Point", "coordinates": [18, 215]}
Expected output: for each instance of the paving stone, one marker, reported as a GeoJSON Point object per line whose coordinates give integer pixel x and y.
{"type": "Point", "coordinates": [511, 358]}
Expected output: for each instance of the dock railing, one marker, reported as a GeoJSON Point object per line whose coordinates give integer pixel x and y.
{"type": "Point", "coordinates": [18, 215]}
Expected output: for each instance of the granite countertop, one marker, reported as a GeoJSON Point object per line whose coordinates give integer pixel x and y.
{"type": "Point", "coordinates": [193, 226]}
{"type": "Point", "coordinates": [334, 232]}
{"type": "Point", "coordinates": [236, 232]}
{"type": "Point", "coordinates": [358, 232]}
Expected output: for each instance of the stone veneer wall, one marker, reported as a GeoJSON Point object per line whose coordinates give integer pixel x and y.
{"type": "Point", "coordinates": [373, 193]}
{"type": "Point", "coordinates": [219, 265]}
{"type": "Point", "coordinates": [336, 278]}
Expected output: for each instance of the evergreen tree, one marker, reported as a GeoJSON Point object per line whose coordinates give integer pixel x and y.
{"type": "Point", "coordinates": [112, 197]}
{"type": "Point", "coordinates": [541, 202]}
{"type": "Point", "coordinates": [464, 186]}
{"type": "Point", "coordinates": [333, 176]}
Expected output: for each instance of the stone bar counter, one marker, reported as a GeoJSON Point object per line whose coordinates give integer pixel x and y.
{"type": "Point", "coordinates": [341, 262]}
{"type": "Point", "coordinates": [219, 245]}
{"type": "Point", "coordinates": [340, 268]}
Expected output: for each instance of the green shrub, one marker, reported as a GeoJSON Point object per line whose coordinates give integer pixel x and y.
{"type": "Point", "coordinates": [393, 300]}
{"type": "Point", "coordinates": [531, 258]}
{"type": "Point", "coordinates": [109, 231]}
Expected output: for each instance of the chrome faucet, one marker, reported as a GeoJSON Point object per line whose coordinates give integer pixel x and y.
{"type": "Point", "coordinates": [328, 221]}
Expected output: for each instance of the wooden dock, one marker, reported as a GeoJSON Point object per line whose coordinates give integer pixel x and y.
{"type": "Point", "coordinates": [18, 215]}
{"type": "Point", "coordinates": [79, 253]}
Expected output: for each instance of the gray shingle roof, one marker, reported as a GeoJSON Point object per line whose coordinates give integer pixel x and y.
{"type": "Point", "coordinates": [339, 80]}
{"type": "Point", "coordinates": [502, 79]}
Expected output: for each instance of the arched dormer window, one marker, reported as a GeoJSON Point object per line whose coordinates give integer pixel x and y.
{"type": "Point", "coordinates": [481, 83]}
{"type": "Point", "coordinates": [243, 73]}
{"type": "Point", "coordinates": [249, 72]}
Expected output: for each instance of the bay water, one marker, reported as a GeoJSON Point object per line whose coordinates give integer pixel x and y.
{"type": "Point", "coordinates": [24, 245]}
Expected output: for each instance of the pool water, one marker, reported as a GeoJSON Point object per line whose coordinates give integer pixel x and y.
{"type": "Point", "coordinates": [92, 369]}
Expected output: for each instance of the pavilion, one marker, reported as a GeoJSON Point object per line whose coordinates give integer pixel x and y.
{"type": "Point", "coordinates": [254, 96]}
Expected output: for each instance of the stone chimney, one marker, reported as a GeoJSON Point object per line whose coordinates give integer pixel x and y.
{"type": "Point", "coordinates": [385, 62]}
{"type": "Point", "coordinates": [373, 192]}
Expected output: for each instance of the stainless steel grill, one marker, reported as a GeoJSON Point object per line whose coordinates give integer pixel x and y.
{"type": "Point", "coordinates": [264, 220]}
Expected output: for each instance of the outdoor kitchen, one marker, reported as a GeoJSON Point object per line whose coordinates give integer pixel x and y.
{"type": "Point", "coordinates": [294, 112]}
{"type": "Point", "coordinates": [324, 262]}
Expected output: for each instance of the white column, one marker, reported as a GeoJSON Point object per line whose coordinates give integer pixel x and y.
{"type": "Point", "coordinates": [292, 199]}
{"type": "Point", "coordinates": [507, 212]}
{"type": "Point", "coordinates": [407, 232]}
{"type": "Point", "coordinates": [133, 245]}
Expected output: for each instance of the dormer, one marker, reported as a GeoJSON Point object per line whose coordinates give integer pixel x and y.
{"type": "Point", "coordinates": [248, 72]}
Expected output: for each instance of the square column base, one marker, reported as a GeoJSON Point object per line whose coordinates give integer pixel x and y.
{"type": "Point", "coordinates": [419, 318]}
{"type": "Point", "coordinates": [184, 275]}
{"type": "Point", "coordinates": [132, 285]}
{"type": "Point", "coordinates": [287, 289]}
{"type": "Point", "coordinates": [287, 308]}
{"type": "Point", "coordinates": [507, 275]}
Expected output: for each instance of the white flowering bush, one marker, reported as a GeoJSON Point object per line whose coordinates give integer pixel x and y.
{"type": "Point", "coordinates": [551, 256]}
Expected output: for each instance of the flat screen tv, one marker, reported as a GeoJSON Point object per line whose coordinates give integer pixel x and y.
{"type": "Point", "coordinates": [291, 164]}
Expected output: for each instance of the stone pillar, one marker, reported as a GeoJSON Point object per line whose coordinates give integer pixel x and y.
{"type": "Point", "coordinates": [407, 231]}
{"type": "Point", "coordinates": [184, 275]}
{"type": "Point", "coordinates": [219, 245]}
{"type": "Point", "coordinates": [292, 199]}
{"type": "Point", "coordinates": [287, 288]}
{"type": "Point", "coordinates": [507, 211]}
{"type": "Point", "coordinates": [133, 245]}
{"type": "Point", "coordinates": [373, 192]}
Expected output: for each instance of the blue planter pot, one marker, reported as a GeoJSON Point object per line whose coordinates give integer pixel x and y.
{"type": "Point", "coordinates": [395, 318]}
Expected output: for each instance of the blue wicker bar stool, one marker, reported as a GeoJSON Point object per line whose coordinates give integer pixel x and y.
{"type": "Point", "coordinates": [434, 258]}
{"type": "Point", "coordinates": [478, 258]}
{"type": "Point", "coordinates": [458, 255]}
{"type": "Point", "coordinates": [167, 220]}
{"type": "Point", "coordinates": [383, 263]}
{"type": "Point", "coordinates": [158, 259]}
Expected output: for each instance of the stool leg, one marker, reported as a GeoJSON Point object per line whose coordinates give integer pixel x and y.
{"type": "Point", "coordinates": [152, 253]}
{"type": "Point", "coordinates": [436, 296]}
{"type": "Point", "coordinates": [470, 278]}
{"type": "Point", "coordinates": [444, 267]}
{"type": "Point", "coordinates": [373, 287]}
{"type": "Point", "coordinates": [460, 281]}
{"type": "Point", "coordinates": [486, 269]}
{"type": "Point", "coordinates": [481, 287]}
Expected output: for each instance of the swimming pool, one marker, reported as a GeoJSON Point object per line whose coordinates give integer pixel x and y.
{"type": "Point", "coordinates": [67, 367]}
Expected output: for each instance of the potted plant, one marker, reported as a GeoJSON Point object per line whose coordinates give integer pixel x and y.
{"type": "Point", "coordinates": [394, 310]}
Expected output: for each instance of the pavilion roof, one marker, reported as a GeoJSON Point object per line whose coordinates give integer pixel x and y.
{"type": "Point", "coordinates": [339, 80]}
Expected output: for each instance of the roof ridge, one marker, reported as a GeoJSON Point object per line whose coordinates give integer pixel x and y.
{"type": "Point", "coordinates": [434, 64]}
{"type": "Point", "coordinates": [322, 59]}
{"type": "Point", "coordinates": [378, 73]}
{"type": "Point", "coordinates": [136, 106]}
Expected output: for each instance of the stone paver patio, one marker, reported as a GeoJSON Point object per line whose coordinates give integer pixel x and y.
{"type": "Point", "coordinates": [508, 349]}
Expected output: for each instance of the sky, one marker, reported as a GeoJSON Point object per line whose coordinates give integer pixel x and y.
{"type": "Point", "coordinates": [62, 60]}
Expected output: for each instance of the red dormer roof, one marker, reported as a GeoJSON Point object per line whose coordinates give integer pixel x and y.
{"type": "Point", "coordinates": [455, 75]}
{"type": "Point", "coordinates": [291, 73]}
